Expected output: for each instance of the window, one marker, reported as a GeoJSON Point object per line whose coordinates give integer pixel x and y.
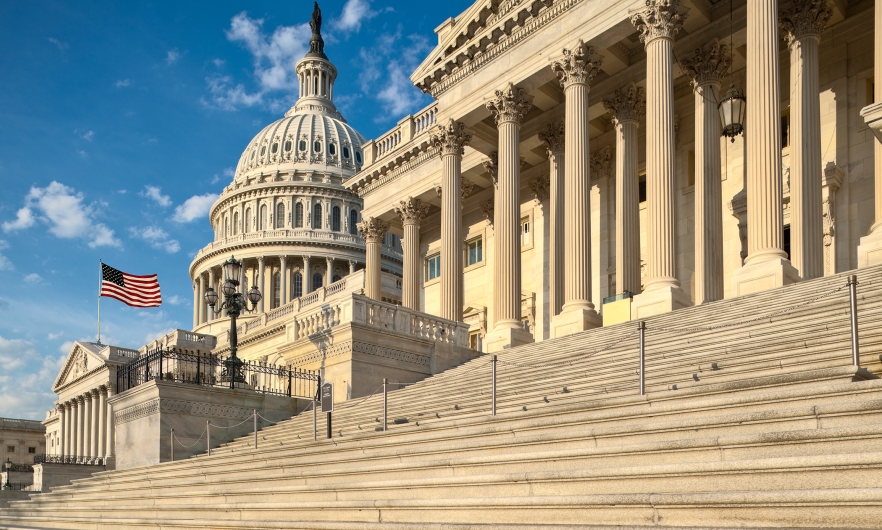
{"type": "Point", "coordinates": [302, 145]}
{"type": "Point", "coordinates": [433, 267]}
{"type": "Point", "coordinates": [275, 147]}
{"type": "Point", "coordinates": [235, 223]}
{"type": "Point", "coordinates": [641, 188]}
{"type": "Point", "coordinates": [247, 220]}
{"type": "Point", "coordinates": [298, 215]}
{"type": "Point", "coordinates": [262, 150]}
{"type": "Point", "coordinates": [298, 285]}
{"type": "Point", "coordinates": [526, 232]}
{"type": "Point", "coordinates": [335, 219]}
{"type": "Point", "coordinates": [262, 217]}
{"type": "Point", "coordinates": [316, 281]}
{"type": "Point", "coordinates": [317, 146]}
{"type": "Point", "coordinates": [252, 154]}
{"type": "Point", "coordinates": [280, 215]}
{"type": "Point", "coordinates": [10, 448]}
{"type": "Point", "coordinates": [288, 145]}
{"type": "Point", "coordinates": [346, 153]}
{"type": "Point", "coordinates": [353, 222]}
{"type": "Point", "coordinates": [32, 450]}
{"type": "Point", "coordinates": [474, 251]}
{"type": "Point", "coordinates": [475, 340]}
{"type": "Point", "coordinates": [277, 289]}
{"type": "Point", "coordinates": [317, 217]}
{"type": "Point", "coordinates": [691, 169]}
{"type": "Point", "coordinates": [332, 148]}
{"type": "Point", "coordinates": [358, 156]}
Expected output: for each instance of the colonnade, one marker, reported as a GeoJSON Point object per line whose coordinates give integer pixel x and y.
{"type": "Point", "coordinates": [260, 272]}
{"type": "Point", "coordinates": [567, 145]}
{"type": "Point", "coordinates": [86, 425]}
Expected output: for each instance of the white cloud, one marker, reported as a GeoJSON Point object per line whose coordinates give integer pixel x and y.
{"type": "Point", "coordinates": [24, 219]}
{"type": "Point", "coordinates": [155, 193]}
{"type": "Point", "coordinates": [59, 44]}
{"type": "Point", "coordinates": [62, 208]}
{"type": "Point", "coordinates": [391, 59]}
{"type": "Point", "coordinates": [5, 264]}
{"type": "Point", "coordinates": [172, 57]}
{"type": "Point", "coordinates": [15, 352]}
{"type": "Point", "coordinates": [33, 278]}
{"type": "Point", "coordinates": [218, 62]}
{"type": "Point", "coordinates": [157, 237]}
{"type": "Point", "coordinates": [82, 153]}
{"type": "Point", "coordinates": [195, 207]}
{"type": "Point", "coordinates": [85, 135]}
{"type": "Point", "coordinates": [66, 346]}
{"type": "Point", "coordinates": [354, 13]}
{"type": "Point", "coordinates": [273, 57]}
{"type": "Point", "coordinates": [174, 300]}
{"type": "Point", "coordinates": [53, 336]}
{"type": "Point", "coordinates": [123, 83]}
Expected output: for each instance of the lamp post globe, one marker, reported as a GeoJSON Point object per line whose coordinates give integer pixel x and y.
{"type": "Point", "coordinates": [733, 109]}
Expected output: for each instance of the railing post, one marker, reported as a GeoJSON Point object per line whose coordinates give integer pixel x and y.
{"type": "Point", "coordinates": [493, 386]}
{"type": "Point", "coordinates": [198, 368]}
{"type": "Point", "coordinates": [385, 408]}
{"type": "Point", "coordinates": [852, 294]}
{"type": "Point", "coordinates": [208, 436]}
{"type": "Point", "coordinates": [641, 327]}
{"type": "Point", "coordinates": [255, 429]}
{"type": "Point", "coordinates": [160, 365]}
{"type": "Point", "coordinates": [172, 443]}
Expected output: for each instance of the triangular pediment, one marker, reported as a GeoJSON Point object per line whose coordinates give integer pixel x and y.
{"type": "Point", "coordinates": [82, 358]}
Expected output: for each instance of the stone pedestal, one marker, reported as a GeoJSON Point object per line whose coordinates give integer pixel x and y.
{"type": "Point", "coordinates": [658, 301]}
{"type": "Point", "coordinates": [48, 476]}
{"type": "Point", "coordinates": [573, 321]}
{"type": "Point", "coordinates": [764, 275]}
{"type": "Point", "coordinates": [505, 338]}
{"type": "Point", "coordinates": [869, 251]}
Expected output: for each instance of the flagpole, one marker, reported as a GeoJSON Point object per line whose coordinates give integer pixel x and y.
{"type": "Point", "coordinates": [99, 300]}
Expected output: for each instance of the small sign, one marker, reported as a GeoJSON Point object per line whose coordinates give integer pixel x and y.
{"type": "Point", "coordinates": [328, 397]}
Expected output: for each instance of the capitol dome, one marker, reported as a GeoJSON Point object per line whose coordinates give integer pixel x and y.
{"type": "Point", "coordinates": [286, 215]}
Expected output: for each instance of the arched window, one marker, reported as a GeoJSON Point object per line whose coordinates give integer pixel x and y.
{"type": "Point", "coordinates": [226, 227]}
{"type": "Point", "coordinates": [353, 221]}
{"type": "Point", "coordinates": [235, 223]}
{"type": "Point", "coordinates": [280, 215]}
{"type": "Point", "coordinates": [346, 152]}
{"type": "Point", "coordinates": [247, 220]}
{"type": "Point", "coordinates": [317, 217]}
{"type": "Point", "coordinates": [358, 156]}
{"type": "Point", "coordinates": [262, 221]}
{"type": "Point", "coordinates": [298, 285]}
{"type": "Point", "coordinates": [332, 149]}
{"type": "Point", "coordinates": [277, 289]}
{"type": "Point", "coordinates": [335, 219]}
{"type": "Point", "coordinates": [316, 281]}
{"type": "Point", "coordinates": [298, 215]}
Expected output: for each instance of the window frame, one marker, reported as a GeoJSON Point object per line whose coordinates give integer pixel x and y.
{"type": "Point", "coordinates": [478, 241]}
{"type": "Point", "coordinates": [428, 268]}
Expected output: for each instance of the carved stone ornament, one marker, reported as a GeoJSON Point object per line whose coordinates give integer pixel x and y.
{"type": "Point", "coordinates": [627, 104]}
{"type": "Point", "coordinates": [540, 187]}
{"type": "Point", "coordinates": [451, 138]}
{"type": "Point", "coordinates": [578, 66]}
{"type": "Point", "coordinates": [492, 166]}
{"type": "Point", "coordinates": [708, 65]}
{"type": "Point", "coordinates": [553, 137]}
{"type": "Point", "coordinates": [804, 17]}
{"type": "Point", "coordinates": [658, 19]}
{"type": "Point", "coordinates": [510, 104]}
{"type": "Point", "coordinates": [487, 208]}
{"type": "Point", "coordinates": [411, 211]}
{"type": "Point", "coordinates": [373, 230]}
{"type": "Point", "coordinates": [601, 163]}
{"type": "Point", "coordinates": [466, 188]}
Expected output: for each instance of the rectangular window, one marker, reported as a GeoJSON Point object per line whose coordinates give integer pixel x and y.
{"type": "Point", "coordinates": [475, 340]}
{"type": "Point", "coordinates": [526, 322]}
{"type": "Point", "coordinates": [691, 169]}
{"type": "Point", "coordinates": [32, 450]}
{"type": "Point", "coordinates": [10, 448]}
{"type": "Point", "coordinates": [433, 267]}
{"type": "Point", "coordinates": [474, 251]}
{"type": "Point", "coordinates": [641, 188]}
{"type": "Point", "coordinates": [526, 231]}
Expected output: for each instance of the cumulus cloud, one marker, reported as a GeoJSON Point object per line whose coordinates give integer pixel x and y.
{"type": "Point", "coordinates": [172, 57]}
{"type": "Point", "coordinates": [33, 278]}
{"type": "Point", "coordinates": [123, 83]}
{"type": "Point", "coordinates": [196, 207]}
{"type": "Point", "coordinates": [174, 300]}
{"type": "Point", "coordinates": [392, 58]}
{"type": "Point", "coordinates": [62, 208]}
{"type": "Point", "coordinates": [25, 388]}
{"type": "Point", "coordinates": [354, 13]}
{"type": "Point", "coordinates": [273, 57]}
{"type": "Point", "coordinates": [15, 352]}
{"type": "Point", "coordinates": [157, 237]}
{"type": "Point", "coordinates": [5, 264]}
{"type": "Point", "coordinates": [155, 194]}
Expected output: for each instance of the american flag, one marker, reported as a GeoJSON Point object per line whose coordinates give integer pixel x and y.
{"type": "Point", "coordinates": [137, 291]}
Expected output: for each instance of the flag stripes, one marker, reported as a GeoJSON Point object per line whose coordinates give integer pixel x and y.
{"type": "Point", "coordinates": [136, 291]}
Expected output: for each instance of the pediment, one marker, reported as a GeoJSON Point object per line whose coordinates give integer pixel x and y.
{"type": "Point", "coordinates": [82, 358]}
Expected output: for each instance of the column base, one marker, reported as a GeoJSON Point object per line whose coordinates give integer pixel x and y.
{"type": "Point", "coordinates": [869, 251]}
{"type": "Point", "coordinates": [764, 275]}
{"type": "Point", "coordinates": [573, 321]}
{"type": "Point", "coordinates": [658, 301]}
{"type": "Point", "coordinates": [504, 338]}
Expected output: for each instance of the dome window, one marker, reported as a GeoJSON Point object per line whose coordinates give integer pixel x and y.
{"type": "Point", "coordinates": [262, 150]}
{"type": "Point", "coordinates": [317, 146]}
{"type": "Point", "coordinates": [302, 145]}
{"type": "Point", "coordinates": [346, 152]}
{"type": "Point", "coordinates": [288, 145]}
{"type": "Point", "coordinates": [358, 156]}
{"type": "Point", "coordinates": [274, 148]}
{"type": "Point", "coordinates": [252, 154]}
{"type": "Point", "coordinates": [332, 148]}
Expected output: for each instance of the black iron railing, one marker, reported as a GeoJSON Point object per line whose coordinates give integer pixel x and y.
{"type": "Point", "coordinates": [216, 371]}
{"type": "Point", "coordinates": [69, 459]}
{"type": "Point", "coordinates": [15, 486]}
{"type": "Point", "coordinates": [18, 468]}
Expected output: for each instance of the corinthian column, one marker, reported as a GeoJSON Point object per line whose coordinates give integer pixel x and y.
{"type": "Point", "coordinates": [657, 23]}
{"type": "Point", "coordinates": [88, 414]}
{"type": "Point", "coordinates": [62, 428]}
{"type": "Point", "coordinates": [373, 230]}
{"type": "Point", "coordinates": [261, 266]}
{"type": "Point", "coordinates": [575, 70]}
{"type": "Point", "coordinates": [802, 25]}
{"type": "Point", "coordinates": [706, 68]}
{"type": "Point", "coordinates": [210, 310]}
{"type": "Point", "coordinates": [449, 140]}
{"type": "Point", "coordinates": [766, 265]}
{"type": "Point", "coordinates": [93, 424]}
{"type": "Point", "coordinates": [283, 280]}
{"type": "Point", "coordinates": [195, 304]}
{"type": "Point", "coordinates": [411, 212]}
{"type": "Point", "coordinates": [81, 414]}
{"type": "Point", "coordinates": [626, 107]}
{"type": "Point", "coordinates": [870, 249]}
{"type": "Point", "coordinates": [553, 137]}
{"type": "Point", "coordinates": [102, 422]}
{"type": "Point", "coordinates": [508, 107]}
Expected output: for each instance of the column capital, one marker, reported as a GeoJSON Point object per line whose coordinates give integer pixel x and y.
{"type": "Point", "coordinates": [601, 163]}
{"type": "Point", "coordinates": [804, 18]}
{"type": "Point", "coordinates": [626, 104]}
{"type": "Point", "coordinates": [373, 230]}
{"type": "Point", "coordinates": [261, 259]}
{"type": "Point", "coordinates": [553, 137]}
{"type": "Point", "coordinates": [658, 19]}
{"type": "Point", "coordinates": [487, 208]}
{"type": "Point", "coordinates": [577, 66]}
{"type": "Point", "coordinates": [492, 165]}
{"type": "Point", "coordinates": [509, 105]}
{"type": "Point", "coordinates": [708, 64]}
{"type": "Point", "coordinates": [412, 211]}
{"type": "Point", "coordinates": [451, 138]}
{"type": "Point", "coordinates": [282, 259]}
{"type": "Point", "coordinates": [540, 187]}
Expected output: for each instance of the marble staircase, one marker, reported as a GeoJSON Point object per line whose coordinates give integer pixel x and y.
{"type": "Point", "coordinates": [752, 421]}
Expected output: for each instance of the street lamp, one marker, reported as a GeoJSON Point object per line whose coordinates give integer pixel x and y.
{"type": "Point", "coordinates": [234, 302]}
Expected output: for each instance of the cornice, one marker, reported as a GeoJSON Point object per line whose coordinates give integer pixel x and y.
{"type": "Point", "coordinates": [425, 153]}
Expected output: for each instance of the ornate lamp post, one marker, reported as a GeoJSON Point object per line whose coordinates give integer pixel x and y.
{"type": "Point", "coordinates": [234, 302]}
{"type": "Point", "coordinates": [733, 107]}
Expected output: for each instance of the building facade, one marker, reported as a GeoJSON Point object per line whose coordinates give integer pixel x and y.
{"type": "Point", "coordinates": [579, 155]}
{"type": "Point", "coordinates": [21, 440]}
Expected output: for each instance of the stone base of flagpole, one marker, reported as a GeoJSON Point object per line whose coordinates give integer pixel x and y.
{"type": "Point", "coordinates": [504, 338]}
{"type": "Point", "coordinates": [658, 301]}
{"type": "Point", "coordinates": [574, 320]}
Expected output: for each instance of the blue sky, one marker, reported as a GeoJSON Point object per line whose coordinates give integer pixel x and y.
{"type": "Point", "coordinates": [120, 121]}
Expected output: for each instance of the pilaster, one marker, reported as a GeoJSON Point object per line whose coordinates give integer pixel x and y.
{"type": "Point", "coordinates": [411, 212]}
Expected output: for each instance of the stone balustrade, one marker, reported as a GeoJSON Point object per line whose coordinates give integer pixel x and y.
{"type": "Point", "coordinates": [409, 128]}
